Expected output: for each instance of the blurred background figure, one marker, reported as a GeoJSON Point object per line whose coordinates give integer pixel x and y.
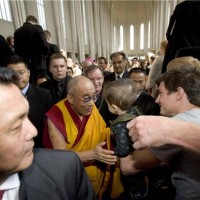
{"type": "Point", "coordinates": [156, 69]}
{"type": "Point", "coordinates": [10, 41]}
{"type": "Point", "coordinates": [5, 51]}
{"type": "Point", "coordinates": [70, 72]}
{"type": "Point", "coordinates": [42, 78]}
{"type": "Point", "coordinates": [76, 70]}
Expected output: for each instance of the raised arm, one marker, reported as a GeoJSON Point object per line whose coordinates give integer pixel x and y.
{"type": "Point", "coordinates": [98, 153]}
{"type": "Point", "coordinates": [154, 131]}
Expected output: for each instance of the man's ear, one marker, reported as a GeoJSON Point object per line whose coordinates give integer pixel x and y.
{"type": "Point", "coordinates": [70, 98]}
{"type": "Point", "coordinates": [180, 93]}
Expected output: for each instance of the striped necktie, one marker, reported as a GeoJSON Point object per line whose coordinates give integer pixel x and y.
{"type": "Point", "coordinates": [1, 194]}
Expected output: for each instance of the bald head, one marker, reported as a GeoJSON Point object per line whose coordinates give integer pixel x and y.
{"type": "Point", "coordinates": [79, 82]}
{"type": "Point", "coordinates": [81, 95]}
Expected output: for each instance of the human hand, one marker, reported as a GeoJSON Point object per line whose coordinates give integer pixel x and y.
{"type": "Point", "coordinates": [104, 155]}
{"type": "Point", "coordinates": [148, 131]}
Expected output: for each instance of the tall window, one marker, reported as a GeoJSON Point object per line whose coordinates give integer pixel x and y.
{"type": "Point", "coordinates": [149, 34]}
{"type": "Point", "coordinates": [5, 10]}
{"type": "Point", "coordinates": [114, 37]}
{"type": "Point", "coordinates": [131, 37]}
{"type": "Point", "coordinates": [142, 36]}
{"type": "Point", "coordinates": [84, 24]}
{"type": "Point", "coordinates": [63, 18]}
{"type": "Point", "coordinates": [40, 7]}
{"type": "Point", "coordinates": [121, 47]}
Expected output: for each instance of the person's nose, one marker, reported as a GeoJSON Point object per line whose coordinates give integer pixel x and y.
{"type": "Point", "coordinates": [31, 131]}
{"type": "Point", "coordinates": [157, 99]}
{"type": "Point", "coordinates": [91, 102]}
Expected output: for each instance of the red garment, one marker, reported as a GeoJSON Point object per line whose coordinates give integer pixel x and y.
{"type": "Point", "coordinates": [54, 114]}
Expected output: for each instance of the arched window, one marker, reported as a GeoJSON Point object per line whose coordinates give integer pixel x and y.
{"type": "Point", "coordinates": [5, 12]}
{"type": "Point", "coordinates": [40, 8]}
{"type": "Point", "coordinates": [114, 37]}
{"type": "Point", "coordinates": [121, 47]}
{"type": "Point", "coordinates": [131, 37]}
{"type": "Point", "coordinates": [142, 36]}
{"type": "Point", "coordinates": [149, 34]}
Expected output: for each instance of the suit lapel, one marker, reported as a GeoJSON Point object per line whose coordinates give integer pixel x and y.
{"type": "Point", "coordinates": [34, 184]}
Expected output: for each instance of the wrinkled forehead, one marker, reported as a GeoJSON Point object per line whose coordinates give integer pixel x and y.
{"type": "Point", "coordinates": [85, 86]}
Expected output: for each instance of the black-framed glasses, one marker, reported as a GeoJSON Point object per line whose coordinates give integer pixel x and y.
{"type": "Point", "coordinates": [86, 100]}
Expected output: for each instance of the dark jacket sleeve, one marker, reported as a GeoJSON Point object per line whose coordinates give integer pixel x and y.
{"type": "Point", "coordinates": [44, 46]}
{"type": "Point", "coordinates": [120, 139]}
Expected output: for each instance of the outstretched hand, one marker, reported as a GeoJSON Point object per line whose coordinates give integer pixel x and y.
{"type": "Point", "coordinates": [104, 155]}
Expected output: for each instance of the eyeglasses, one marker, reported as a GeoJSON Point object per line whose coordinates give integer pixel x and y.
{"type": "Point", "coordinates": [86, 100]}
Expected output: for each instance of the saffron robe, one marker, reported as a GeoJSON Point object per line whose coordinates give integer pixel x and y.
{"type": "Point", "coordinates": [83, 136]}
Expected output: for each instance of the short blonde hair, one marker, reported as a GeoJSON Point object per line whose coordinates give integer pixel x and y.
{"type": "Point", "coordinates": [183, 62]}
{"type": "Point", "coordinates": [121, 93]}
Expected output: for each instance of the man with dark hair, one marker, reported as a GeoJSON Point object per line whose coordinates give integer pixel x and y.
{"type": "Point", "coordinates": [31, 44]}
{"type": "Point", "coordinates": [40, 100]}
{"type": "Point", "coordinates": [28, 174]}
{"type": "Point", "coordinates": [119, 62]}
{"type": "Point", "coordinates": [144, 101]}
{"type": "Point", "coordinates": [58, 84]}
{"type": "Point", "coordinates": [103, 63]}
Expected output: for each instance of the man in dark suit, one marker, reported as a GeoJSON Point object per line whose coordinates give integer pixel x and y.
{"type": "Point", "coordinates": [144, 101]}
{"type": "Point", "coordinates": [119, 62]}
{"type": "Point", "coordinates": [183, 31]}
{"type": "Point", "coordinates": [27, 175]}
{"type": "Point", "coordinates": [40, 100]}
{"type": "Point", "coordinates": [58, 84]}
{"type": "Point", "coordinates": [31, 44]}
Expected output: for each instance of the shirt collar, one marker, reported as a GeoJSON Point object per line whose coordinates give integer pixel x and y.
{"type": "Point", "coordinates": [116, 75]}
{"type": "Point", "coordinates": [24, 90]}
{"type": "Point", "coordinates": [11, 182]}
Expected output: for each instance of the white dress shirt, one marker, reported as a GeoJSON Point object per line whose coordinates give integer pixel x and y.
{"type": "Point", "coordinates": [11, 187]}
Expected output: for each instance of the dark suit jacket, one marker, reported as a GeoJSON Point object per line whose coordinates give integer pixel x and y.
{"type": "Point", "coordinates": [52, 85]}
{"type": "Point", "coordinates": [111, 76]}
{"type": "Point", "coordinates": [183, 29]}
{"type": "Point", "coordinates": [40, 101]}
{"type": "Point", "coordinates": [31, 43]}
{"type": "Point", "coordinates": [55, 175]}
{"type": "Point", "coordinates": [147, 104]}
{"type": "Point", "coordinates": [5, 51]}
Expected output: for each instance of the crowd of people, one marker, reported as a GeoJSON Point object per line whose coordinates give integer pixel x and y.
{"type": "Point", "coordinates": [102, 129]}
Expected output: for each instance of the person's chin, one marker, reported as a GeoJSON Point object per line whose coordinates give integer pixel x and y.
{"type": "Point", "coordinates": [29, 159]}
{"type": "Point", "coordinates": [88, 111]}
